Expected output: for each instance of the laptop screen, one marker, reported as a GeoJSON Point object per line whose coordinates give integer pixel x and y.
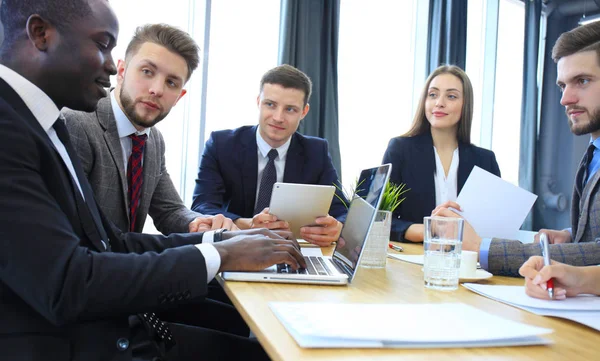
{"type": "Point", "coordinates": [370, 187]}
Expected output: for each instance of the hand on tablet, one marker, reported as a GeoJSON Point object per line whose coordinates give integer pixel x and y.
{"type": "Point", "coordinates": [269, 221]}
{"type": "Point", "coordinates": [328, 230]}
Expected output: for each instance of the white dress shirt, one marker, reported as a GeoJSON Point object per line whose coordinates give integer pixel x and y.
{"type": "Point", "coordinates": [263, 150]}
{"type": "Point", "coordinates": [445, 186]}
{"type": "Point", "coordinates": [46, 113]}
{"type": "Point", "coordinates": [125, 129]}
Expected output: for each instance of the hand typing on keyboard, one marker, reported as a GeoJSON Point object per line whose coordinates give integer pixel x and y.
{"type": "Point", "coordinates": [255, 250]}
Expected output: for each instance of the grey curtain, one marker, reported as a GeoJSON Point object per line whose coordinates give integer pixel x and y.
{"type": "Point", "coordinates": [447, 38]}
{"type": "Point", "coordinates": [308, 40]}
{"type": "Point", "coordinates": [529, 101]}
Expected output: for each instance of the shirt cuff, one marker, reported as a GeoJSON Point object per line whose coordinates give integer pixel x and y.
{"type": "Point", "coordinates": [211, 258]}
{"type": "Point", "coordinates": [570, 231]}
{"type": "Point", "coordinates": [208, 237]}
{"type": "Point", "coordinates": [484, 251]}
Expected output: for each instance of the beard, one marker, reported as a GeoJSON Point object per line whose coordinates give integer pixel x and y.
{"type": "Point", "coordinates": [129, 103]}
{"type": "Point", "coordinates": [591, 126]}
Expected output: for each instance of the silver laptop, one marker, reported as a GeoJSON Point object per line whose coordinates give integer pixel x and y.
{"type": "Point", "coordinates": [341, 267]}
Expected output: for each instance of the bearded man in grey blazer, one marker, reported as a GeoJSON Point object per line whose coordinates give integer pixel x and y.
{"type": "Point", "coordinates": [158, 62]}
{"type": "Point", "coordinates": [577, 54]}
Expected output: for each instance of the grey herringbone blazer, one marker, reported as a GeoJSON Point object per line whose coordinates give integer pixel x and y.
{"type": "Point", "coordinates": [505, 257]}
{"type": "Point", "coordinates": [96, 139]}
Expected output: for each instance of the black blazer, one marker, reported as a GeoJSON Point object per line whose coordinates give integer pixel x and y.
{"type": "Point", "coordinates": [228, 172]}
{"type": "Point", "coordinates": [413, 163]}
{"type": "Point", "coordinates": [62, 296]}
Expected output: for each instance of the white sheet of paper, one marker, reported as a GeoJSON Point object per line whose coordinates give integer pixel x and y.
{"type": "Point", "coordinates": [525, 236]}
{"type": "Point", "coordinates": [410, 258]}
{"type": "Point", "coordinates": [584, 309]}
{"type": "Point", "coordinates": [311, 251]}
{"type": "Point", "coordinates": [494, 207]}
{"type": "Point", "coordinates": [380, 325]}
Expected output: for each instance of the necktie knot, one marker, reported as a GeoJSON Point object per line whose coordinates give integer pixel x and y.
{"type": "Point", "coordinates": [273, 154]}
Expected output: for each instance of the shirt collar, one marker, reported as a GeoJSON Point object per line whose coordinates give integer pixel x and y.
{"type": "Point", "coordinates": [38, 102]}
{"type": "Point", "coordinates": [264, 147]}
{"type": "Point", "coordinates": [124, 126]}
{"type": "Point", "coordinates": [595, 142]}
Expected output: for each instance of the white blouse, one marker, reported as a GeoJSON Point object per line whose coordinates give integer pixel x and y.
{"type": "Point", "coordinates": [445, 187]}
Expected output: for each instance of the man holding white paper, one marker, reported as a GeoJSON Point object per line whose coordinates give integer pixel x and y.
{"type": "Point", "coordinates": [577, 54]}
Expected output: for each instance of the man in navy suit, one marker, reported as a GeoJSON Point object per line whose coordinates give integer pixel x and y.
{"type": "Point", "coordinates": [236, 162]}
{"type": "Point", "coordinates": [72, 286]}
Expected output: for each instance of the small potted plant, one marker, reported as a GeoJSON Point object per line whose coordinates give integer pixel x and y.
{"type": "Point", "coordinates": [375, 251]}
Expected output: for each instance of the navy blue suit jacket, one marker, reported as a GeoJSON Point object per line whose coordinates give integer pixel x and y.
{"type": "Point", "coordinates": [413, 163]}
{"type": "Point", "coordinates": [228, 174]}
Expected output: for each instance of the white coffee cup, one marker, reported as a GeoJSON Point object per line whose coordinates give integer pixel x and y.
{"type": "Point", "coordinates": [468, 264]}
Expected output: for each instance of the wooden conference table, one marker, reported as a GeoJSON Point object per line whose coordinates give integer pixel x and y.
{"type": "Point", "coordinates": [402, 282]}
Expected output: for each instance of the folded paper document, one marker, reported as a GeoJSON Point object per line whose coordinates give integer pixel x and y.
{"type": "Point", "coordinates": [584, 309]}
{"type": "Point", "coordinates": [329, 325]}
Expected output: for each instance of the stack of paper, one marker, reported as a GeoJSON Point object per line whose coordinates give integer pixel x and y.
{"type": "Point", "coordinates": [584, 309]}
{"type": "Point", "coordinates": [328, 325]}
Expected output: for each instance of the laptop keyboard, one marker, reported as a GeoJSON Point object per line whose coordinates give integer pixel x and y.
{"type": "Point", "coordinates": [314, 266]}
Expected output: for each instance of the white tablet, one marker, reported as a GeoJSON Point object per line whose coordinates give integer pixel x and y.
{"type": "Point", "coordinates": [300, 204]}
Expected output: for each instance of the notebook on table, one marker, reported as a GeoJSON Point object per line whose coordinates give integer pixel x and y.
{"type": "Point", "coordinates": [340, 268]}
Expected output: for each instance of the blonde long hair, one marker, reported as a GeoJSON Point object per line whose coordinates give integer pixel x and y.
{"type": "Point", "coordinates": [420, 124]}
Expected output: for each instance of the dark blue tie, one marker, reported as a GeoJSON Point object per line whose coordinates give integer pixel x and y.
{"type": "Point", "coordinates": [269, 177]}
{"type": "Point", "coordinates": [584, 167]}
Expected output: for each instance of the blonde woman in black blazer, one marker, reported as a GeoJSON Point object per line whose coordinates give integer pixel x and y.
{"type": "Point", "coordinates": [440, 132]}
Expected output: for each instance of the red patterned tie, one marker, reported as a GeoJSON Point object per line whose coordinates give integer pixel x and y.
{"type": "Point", "coordinates": [134, 176]}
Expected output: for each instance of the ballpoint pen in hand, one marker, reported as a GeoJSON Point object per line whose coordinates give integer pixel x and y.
{"type": "Point", "coordinates": [546, 256]}
{"type": "Point", "coordinates": [396, 248]}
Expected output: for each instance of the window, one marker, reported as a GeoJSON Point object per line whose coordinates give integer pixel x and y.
{"type": "Point", "coordinates": [506, 133]}
{"type": "Point", "coordinates": [379, 60]}
{"type": "Point", "coordinates": [495, 40]}
{"type": "Point", "coordinates": [238, 58]}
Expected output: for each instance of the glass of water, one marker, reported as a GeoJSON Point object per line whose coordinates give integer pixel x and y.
{"type": "Point", "coordinates": [442, 246]}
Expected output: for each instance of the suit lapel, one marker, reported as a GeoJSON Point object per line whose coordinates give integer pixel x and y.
{"type": "Point", "coordinates": [584, 205]}
{"type": "Point", "coordinates": [248, 162]}
{"type": "Point", "coordinates": [423, 171]}
{"type": "Point", "coordinates": [107, 121]}
{"type": "Point", "coordinates": [577, 202]}
{"type": "Point", "coordinates": [84, 216]}
{"type": "Point", "coordinates": [465, 165]}
{"type": "Point", "coordinates": [294, 162]}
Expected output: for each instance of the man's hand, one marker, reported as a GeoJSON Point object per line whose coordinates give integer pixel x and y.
{"type": "Point", "coordinates": [328, 230]}
{"type": "Point", "coordinates": [207, 223]}
{"type": "Point", "coordinates": [554, 237]}
{"type": "Point", "coordinates": [255, 250]}
{"type": "Point", "coordinates": [568, 280]}
{"type": "Point", "coordinates": [471, 240]}
{"type": "Point", "coordinates": [269, 221]}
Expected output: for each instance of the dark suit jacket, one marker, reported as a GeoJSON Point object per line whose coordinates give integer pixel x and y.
{"type": "Point", "coordinates": [413, 163]}
{"type": "Point", "coordinates": [96, 139]}
{"type": "Point", "coordinates": [228, 172]}
{"type": "Point", "coordinates": [62, 296]}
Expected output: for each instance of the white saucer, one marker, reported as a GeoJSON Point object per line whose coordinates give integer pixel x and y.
{"type": "Point", "coordinates": [479, 275]}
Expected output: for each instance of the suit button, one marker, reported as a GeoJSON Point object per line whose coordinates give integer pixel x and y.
{"type": "Point", "coordinates": [122, 344]}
